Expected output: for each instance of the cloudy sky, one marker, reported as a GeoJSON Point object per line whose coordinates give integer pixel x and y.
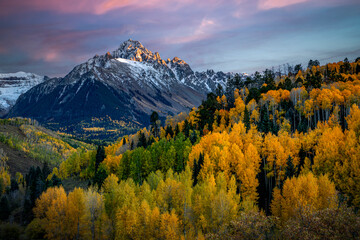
{"type": "Point", "coordinates": [50, 37]}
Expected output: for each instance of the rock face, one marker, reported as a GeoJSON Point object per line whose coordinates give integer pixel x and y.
{"type": "Point", "coordinates": [12, 85]}
{"type": "Point", "coordinates": [125, 85]}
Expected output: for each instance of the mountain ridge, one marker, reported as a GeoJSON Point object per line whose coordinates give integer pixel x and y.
{"type": "Point", "coordinates": [126, 85]}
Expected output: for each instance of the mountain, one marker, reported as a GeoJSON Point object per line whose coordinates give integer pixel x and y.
{"type": "Point", "coordinates": [12, 85]}
{"type": "Point", "coordinates": [117, 92]}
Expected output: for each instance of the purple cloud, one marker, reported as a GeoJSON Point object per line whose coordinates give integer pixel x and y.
{"type": "Point", "coordinates": [51, 37]}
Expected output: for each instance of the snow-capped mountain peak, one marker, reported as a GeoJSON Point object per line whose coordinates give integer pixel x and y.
{"type": "Point", "coordinates": [134, 50]}
{"type": "Point", "coordinates": [126, 84]}
{"type": "Point", "coordinates": [149, 68]}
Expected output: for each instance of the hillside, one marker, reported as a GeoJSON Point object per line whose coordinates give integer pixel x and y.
{"type": "Point", "coordinates": [25, 144]}
{"type": "Point", "coordinates": [18, 161]}
{"type": "Point", "coordinates": [276, 162]}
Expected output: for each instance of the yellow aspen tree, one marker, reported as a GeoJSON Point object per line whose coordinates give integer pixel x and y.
{"type": "Point", "coordinates": [75, 212]}
{"type": "Point", "coordinates": [306, 193]}
{"type": "Point", "coordinates": [169, 226]}
{"type": "Point", "coordinates": [110, 189]}
{"type": "Point", "coordinates": [249, 181]}
{"type": "Point", "coordinates": [95, 215]}
{"type": "Point", "coordinates": [51, 208]}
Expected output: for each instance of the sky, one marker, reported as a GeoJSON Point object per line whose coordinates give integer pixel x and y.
{"type": "Point", "coordinates": [51, 37]}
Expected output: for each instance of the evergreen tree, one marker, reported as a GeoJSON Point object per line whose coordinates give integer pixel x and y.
{"type": "Point", "coordinates": [14, 185]}
{"type": "Point", "coordinates": [2, 186]}
{"type": "Point", "coordinates": [100, 177]}
{"type": "Point", "coordinates": [288, 84]}
{"type": "Point", "coordinates": [100, 156]}
{"type": "Point", "coordinates": [219, 90]}
{"type": "Point", "coordinates": [345, 67]}
{"type": "Point", "coordinates": [297, 68]}
{"type": "Point", "coordinates": [154, 117]}
{"type": "Point", "coordinates": [290, 169]}
{"type": "Point", "coordinates": [55, 181]}
{"type": "Point", "coordinates": [45, 171]}
{"type": "Point", "coordinates": [269, 79]}
{"type": "Point", "coordinates": [317, 80]}
{"type": "Point", "coordinates": [193, 137]}
{"type": "Point", "coordinates": [169, 131]}
{"type": "Point", "coordinates": [4, 209]}
{"type": "Point", "coordinates": [231, 85]}
{"type": "Point", "coordinates": [264, 125]}
{"type": "Point", "coordinates": [197, 168]}
{"type": "Point", "coordinates": [247, 119]}
{"type": "Point", "coordinates": [206, 112]}
{"type": "Point", "coordinates": [177, 130]}
{"type": "Point", "coordinates": [186, 129]}
{"type": "Point", "coordinates": [254, 93]}
{"type": "Point", "coordinates": [142, 140]}
{"type": "Point", "coordinates": [28, 214]}
{"type": "Point", "coordinates": [248, 81]}
{"type": "Point", "coordinates": [313, 63]}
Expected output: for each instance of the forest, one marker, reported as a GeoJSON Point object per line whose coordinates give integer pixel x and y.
{"type": "Point", "coordinates": [274, 157]}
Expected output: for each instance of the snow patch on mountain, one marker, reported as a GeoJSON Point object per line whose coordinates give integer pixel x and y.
{"type": "Point", "coordinates": [12, 85]}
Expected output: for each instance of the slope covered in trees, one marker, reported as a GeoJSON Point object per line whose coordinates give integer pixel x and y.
{"type": "Point", "coordinates": [278, 161]}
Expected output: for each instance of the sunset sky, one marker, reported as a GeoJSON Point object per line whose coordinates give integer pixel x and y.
{"type": "Point", "coordinates": [50, 37]}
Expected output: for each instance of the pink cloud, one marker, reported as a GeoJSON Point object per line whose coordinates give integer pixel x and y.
{"type": "Point", "coordinates": [168, 5]}
{"type": "Point", "coordinates": [51, 56]}
{"type": "Point", "coordinates": [204, 31]}
{"type": "Point", "coordinates": [269, 4]}
{"type": "Point", "coordinates": [97, 6]}
{"type": "Point", "coordinates": [56, 46]}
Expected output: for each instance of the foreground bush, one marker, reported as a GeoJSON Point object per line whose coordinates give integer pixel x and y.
{"type": "Point", "coordinates": [340, 223]}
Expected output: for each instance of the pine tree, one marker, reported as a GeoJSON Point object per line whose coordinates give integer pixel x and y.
{"type": "Point", "coordinates": [247, 119]}
{"type": "Point", "coordinates": [100, 156]}
{"type": "Point", "coordinates": [269, 79]}
{"type": "Point", "coordinates": [219, 90]}
{"type": "Point", "coordinates": [358, 68]}
{"type": "Point", "coordinates": [45, 171]}
{"type": "Point", "coordinates": [55, 181]}
{"type": "Point", "coordinates": [154, 117]}
{"type": "Point", "coordinates": [231, 85]}
{"type": "Point", "coordinates": [345, 67]}
{"type": "Point", "coordinates": [100, 177]}
{"type": "Point", "coordinates": [288, 84]}
{"type": "Point", "coordinates": [186, 129]}
{"type": "Point", "coordinates": [4, 209]}
{"type": "Point", "coordinates": [193, 137]}
{"type": "Point", "coordinates": [142, 140]}
{"type": "Point", "coordinates": [290, 169]}
{"type": "Point", "coordinates": [265, 124]}
{"type": "Point", "coordinates": [177, 130]}
{"type": "Point", "coordinates": [297, 68]}
{"type": "Point", "coordinates": [14, 185]}
{"type": "Point", "coordinates": [197, 168]}
{"type": "Point", "coordinates": [169, 131]}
